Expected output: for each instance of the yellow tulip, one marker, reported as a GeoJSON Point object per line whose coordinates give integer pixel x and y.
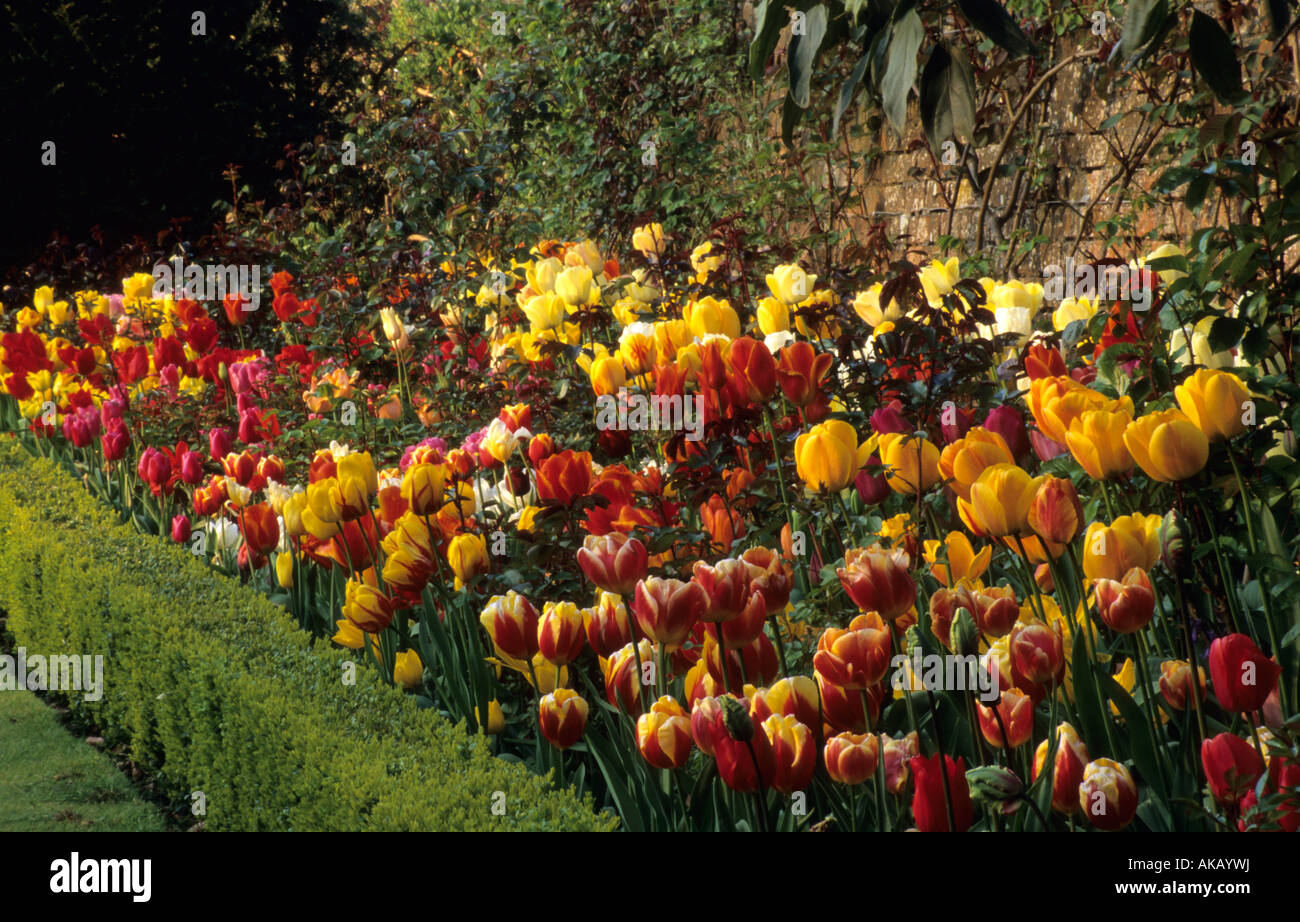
{"type": "Point", "coordinates": [1216, 402]}
{"type": "Point", "coordinates": [1056, 402]}
{"type": "Point", "coordinates": [772, 316]}
{"type": "Point", "coordinates": [939, 279]}
{"type": "Point", "coordinates": [608, 375]}
{"type": "Point", "coordinates": [574, 285]}
{"type": "Point", "coordinates": [545, 311]}
{"type": "Point", "coordinates": [826, 457]}
{"type": "Point", "coordinates": [999, 502]}
{"type": "Point", "coordinates": [963, 461]}
{"type": "Point", "coordinates": [496, 721]}
{"type": "Point", "coordinates": [963, 562]}
{"type": "Point", "coordinates": [1167, 445]}
{"type": "Point", "coordinates": [542, 273]}
{"type": "Point", "coordinates": [468, 556]}
{"type": "Point", "coordinates": [1110, 551]}
{"type": "Point", "coordinates": [710, 316]}
{"type": "Point", "coordinates": [790, 285]}
{"type": "Point", "coordinates": [649, 240]}
{"type": "Point", "coordinates": [348, 635]}
{"type": "Point", "coordinates": [1096, 439]}
{"type": "Point", "coordinates": [407, 669]}
{"type": "Point", "coordinates": [911, 462]}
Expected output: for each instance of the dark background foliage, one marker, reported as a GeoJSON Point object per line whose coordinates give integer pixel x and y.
{"type": "Point", "coordinates": [146, 116]}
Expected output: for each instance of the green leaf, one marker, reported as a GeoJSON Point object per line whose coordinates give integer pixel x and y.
{"type": "Point", "coordinates": [1138, 731]}
{"type": "Point", "coordinates": [1093, 728]}
{"type": "Point", "coordinates": [1143, 20]}
{"type": "Point", "coordinates": [947, 97]}
{"type": "Point", "coordinates": [768, 20]}
{"type": "Point", "coordinates": [1214, 57]}
{"type": "Point", "coordinates": [846, 91]}
{"type": "Point", "coordinates": [994, 21]}
{"type": "Point", "coordinates": [803, 52]}
{"type": "Point", "coordinates": [790, 115]}
{"type": "Point", "coordinates": [1225, 332]}
{"type": "Point", "coordinates": [900, 72]}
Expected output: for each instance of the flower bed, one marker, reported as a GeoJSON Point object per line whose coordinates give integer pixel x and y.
{"type": "Point", "coordinates": [216, 689]}
{"type": "Point", "coordinates": [903, 543]}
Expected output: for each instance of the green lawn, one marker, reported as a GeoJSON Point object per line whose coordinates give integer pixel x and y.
{"type": "Point", "coordinates": [52, 781]}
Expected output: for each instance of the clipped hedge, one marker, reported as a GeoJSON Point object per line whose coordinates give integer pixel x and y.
{"type": "Point", "coordinates": [216, 687]}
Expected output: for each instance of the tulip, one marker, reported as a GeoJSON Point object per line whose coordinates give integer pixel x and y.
{"type": "Point", "coordinates": [753, 369]}
{"type": "Point", "coordinates": [996, 610]}
{"type": "Point", "coordinates": [261, 528]}
{"type": "Point", "coordinates": [1111, 551]}
{"type": "Point", "coordinates": [1127, 606]}
{"type": "Point", "coordinates": [898, 755]}
{"type": "Point", "coordinates": [564, 477]}
{"type": "Point", "coordinates": [1242, 676]}
{"type": "Point", "coordinates": [511, 622]}
{"type": "Point", "coordinates": [219, 443]}
{"type": "Point", "coordinates": [962, 561]}
{"type": "Point", "coordinates": [723, 523]}
{"type": "Point", "coordinates": [622, 680]}
{"type": "Point", "coordinates": [607, 374]}
{"type": "Point", "coordinates": [663, 734]}
{"type": "Point", "coordinates": [1177, 684]}
{"type": "Point", "coordinates": [496, 719]}
{"type": "Point", "coordinates": [1056, 402]}
{"type": "Point", "coordinates": [1216, 402]}
{"type": "Point", "coordinates": [366, 607]}
{"type": "Point", "coordinates": [800, 371]}
{"type": "Point", "coordinates": [607, 624]}
{"type": "Point", "coordinates": [962, 461]}
{"type": "Point", "coordinates": [770, 575]}
{"type": "Point", "coordinates": [726, 584]}
{"type": "Point", "coordinates": [180, 528]}
{"type": "Point", "coordinates": [1000, 500]}
{"type": "Point", "coordinates": [1167, 445]}
{"type": "Point", "coordinates": [706, 716]}
{"type": "Point", "coordinates": [851, 758]}
{"type": "Point", "coordinates": [155, 469]}
{"type": "Point", "coordinates": [1011, 723]}
{"type": "Point", "coordinates": [1096, 439]}
{"type": "Point", "coordinates": [560, 634]}
{"type": "Point", "coordinates": [1055, 513]}
{"type": "Point", "coordinates": [562, 715]}
{"type": "Point", "coordinates": [878, 580]}
{"type": "Point", "coordinates": [790, 285]}
{"type": "Point", "coordinates": [741, 631]}
{"type": "Point", "coordinates": [826, 457]}
{"type": "Point", "coordinates": [614, 562]}
{"type": "Point", "coordinates": [794, 754]}
{"type": "Point", "coordinates": [423, 488]}
{"type": "Point", "coordinates": [407, 669]}
{"type": "Point", "coordinates": [1108, 795]}
{"type": "Point", "coordinates": [929, 802]}
{"type": "Point", "coordinates": [667, 609]}
{"type": "Point", "coordinates": [794, 696]}
{"type": "Point", "coordinates": [1067, 767]}
{"type": "Point", "coordinates": [467, 555]}
{"type": "Point", "coordinates": [744, 758]}
{"type": "Point", "coordinates": [1232, 766]}
{"type": "Point", "coordinates": [1007, 422]}
{"type": "Point", "coordinates": [911, 462]}
{"type": "Point", "coordinates": [1037, 653]}
{"type": "Point", "coordinates": [857, 658]}
{"type": "Point", "coordinates": [115, 441]}
{"type": "Point", "coordinates": [727, 666]}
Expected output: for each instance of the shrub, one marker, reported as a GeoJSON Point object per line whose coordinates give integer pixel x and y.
{"type": "Point", "coordinates": [216, 688]}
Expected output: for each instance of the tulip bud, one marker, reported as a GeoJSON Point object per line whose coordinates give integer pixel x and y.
{"type": "Point", "coordinates": [964, 635]}
{"type": "Point", "coordinates": [736, 720]}
{"type": "Point", "coordinates": [1242, 676]}
{"type": "Point", "coordinates": [1173, 542]}
{"type": "Point", "coordinates": [994, 783]}
{"type": "Point", "coordinates": [496, 720]}
{"type": "Point", "coordinates": [180, 528]}
{"type": "Point", "coordinates": [931, 797]}
{"type": "Point", "coordinates": [1055, 513]}
{"type": "Point", "coordinates": [560, 635]}
{"type": "Point", "coordinates": [1232, 766]}
{"type": "Point", "coordinates": [1176, 683]}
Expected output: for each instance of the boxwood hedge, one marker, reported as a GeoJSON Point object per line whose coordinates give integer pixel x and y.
{"type": "Point", "coordinates": [215, 687]}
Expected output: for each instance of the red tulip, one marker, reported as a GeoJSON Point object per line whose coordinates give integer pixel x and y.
{"type": "Point", "coordinates": [929, 803]}
{"type": "Point", "coordinates": [801, 370]}
{"type": "Point", "coordinates": [667, 609]}
{"type": "Point", "coordinates": [260, 527]}
{"type": "Point", "coordinates": [180, 528]}
{"type": "Point", "coordinates": [564, 477]}
{"type": "Point", "coordinates": [857, 658]}
{"type": "Point", "coordinates": [1128, 606]}
{"type": "Point", "coordinates": [1242, 676]}
{"type": "Point", "coordinates": [753, 369]}
{"type": "Point", "coordinates": [1011, 723]}
{"type": "Point", "coordinates": [1232, 766]}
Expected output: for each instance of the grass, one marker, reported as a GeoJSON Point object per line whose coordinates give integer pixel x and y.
{"type": "Point", "coordinates": [51, 781]}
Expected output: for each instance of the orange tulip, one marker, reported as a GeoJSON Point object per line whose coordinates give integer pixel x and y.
{"type": "Point", "coordinates": [857, 658]}
{"type": "Point", "coordinates": [1055, 512]}
{"type": "Point", "coordinates": [962, 461]}
{"type": "Point", "coordinates": [851, 758]}
{"type": "Point", "coordinates": [878, 580]}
